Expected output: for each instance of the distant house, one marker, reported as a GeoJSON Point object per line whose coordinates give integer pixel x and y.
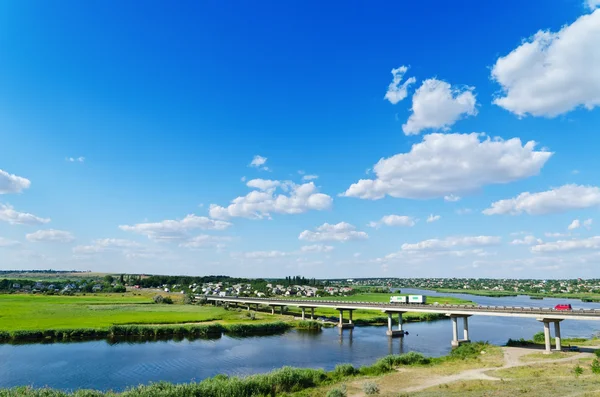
{"type": "Point", "coordinates": [16, 285]}
{"type": "Point", "coordinates": [97, 288]}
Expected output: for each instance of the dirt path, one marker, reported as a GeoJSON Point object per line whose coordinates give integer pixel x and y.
{"type": "Point", "coordinates": [512, 358]}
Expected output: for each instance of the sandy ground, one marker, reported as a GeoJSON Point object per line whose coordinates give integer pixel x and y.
{"type": "Point", "coordinates": [512, 358]}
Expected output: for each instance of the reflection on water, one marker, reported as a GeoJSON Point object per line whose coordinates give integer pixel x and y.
{"type": "Point", "coordinates": [102, 365]}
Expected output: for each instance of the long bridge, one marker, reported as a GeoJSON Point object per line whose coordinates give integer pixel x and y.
{"type": "Point", "coordinates": [454, 312]}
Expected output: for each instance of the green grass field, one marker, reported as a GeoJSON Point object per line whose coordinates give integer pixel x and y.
{"type": "Point", "coordinates": [40, 312]}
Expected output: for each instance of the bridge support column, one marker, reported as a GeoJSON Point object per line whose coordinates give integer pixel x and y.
{"type": "Point", "coordinates": [303, 313]}
{"type": "Point", "coordinates": [557, 335]}
{"type": "Point", "coordinates": [350, 316]}
{"type": "Point", "coordinates": [312, 313]}
{"type": "Point", "coordinates": [282, 310]}
{"type": "Point", "coordinates": [392, 332]}
{"type": "Point", "coordinates": [547, 337]}
{"type": "Point", "coordinates": [342, 324]}
{"type": "Point", "coordinates": [272, 310]}
{"type": "Point", "coordinates": [455, 341]}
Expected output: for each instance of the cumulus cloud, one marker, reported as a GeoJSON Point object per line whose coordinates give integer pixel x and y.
{"type": "Point", "coordinates": [445, 164]}
{"type": "Point", "coordinates": [7, 243]}
{"type": "Point", "coordinates": [553, 73]}
{"type": "Point", "coordinates": [592, 4]}
{"type": "Point", "coordinates": [259, 162]}
{"type": "Point", "coordinates": [10, 183]}
{"type": "Point", "coordinates": [310, 177]}
{"type": "Point", "coordinates": [107, 244]}
{"type": "Point", "coordinates": [339, 232]}
{"type": "Point", "coordinates": [50, 235]}
{"type": "Point", "coordinates": [574, 225]}
{"type": "Point", "coordinates": [205, 241]}
{"type": "Point", "coordinates": [436, 104]}
{"type": "Point", "coordinates": [527, 240]}
{"type": "Point", "coordinates": [316, 248]}
{"type": "Point", "coordinates": [397, 91]}
{"type": "Point", "coordinates": [592, 243]}
{"type": "Point", "coordinates": [451, 198]}
{"type": "Point", "coordinates": [394, 220]}
{"type": "Point", "coordinates": [8, 214]}
{"type": "Point", "coordinates": [564, 198]}
{"type": "Point", "coordinates": [433, 218]}
{"type": "Point", "coordinates": [259, 204]}
{"type": "Point", "coordinates": [175, 229]}
{"type": "Point", "coordinates": [451, 243]}
{"type": "Point", "coordinates": [75, 159]}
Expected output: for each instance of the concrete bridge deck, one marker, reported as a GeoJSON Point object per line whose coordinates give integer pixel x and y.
{"type": "Point", "coordinates": [544, 315]}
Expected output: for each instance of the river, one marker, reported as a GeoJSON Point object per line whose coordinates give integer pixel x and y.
{"type": "Point", "coordinates": [104, 366]}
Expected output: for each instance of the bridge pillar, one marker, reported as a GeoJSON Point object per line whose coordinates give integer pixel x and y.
{"type": "Point", "coordinates": [272, 310]}
{"type": "Point", "coordinates": [557, 335]}
{"type": "Point", "coordinates": [282, 310]}
{"type": "Point", "coordinates": [547, 337]}
{"type": "Point", "coordinates": [390, 331]}
{"type": "Point", "coordinates": [312, 313]}
{"type": "Point", "coordinates": [303, 312]}
{"type": "Point", "coordinates": [455, 341]}
{"type": "Point", "coordinates": [350, 316]}
{"type": "Point", "coordinates": [343, 325]}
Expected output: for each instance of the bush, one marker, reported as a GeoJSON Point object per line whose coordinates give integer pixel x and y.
{"type": "Point", "coordinates": [597, 353]}
{"type": "Point", "coordinates": [338, 392]}
{"type": "Point", "coordinates": [595, 366]}
{"type": "Point", "coordinates": [577, 370]}
{"type": "Point", "coordinates": [158, 299]}
{"type": "Point", "coordinates": [468, 350]}
{"type": "Point", "coordinates": [342, 371]}
{"type": "Point", "coordinates": [370, 388]}
{"type": "Point", "coordinates": [167, 300]}
{"type": "Point", "coordinates": [539, 337]}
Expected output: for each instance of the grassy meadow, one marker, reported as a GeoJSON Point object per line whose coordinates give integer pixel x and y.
{"type": "Point", "coordinates": [41, 312]}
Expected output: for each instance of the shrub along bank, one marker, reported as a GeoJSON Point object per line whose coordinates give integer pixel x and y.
{"type": "Point", "coordinates": [281, 381]}
{"type": "Point", "coordinates": [150, 332]}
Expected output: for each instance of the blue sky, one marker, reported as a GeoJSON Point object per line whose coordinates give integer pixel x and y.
{"type": "Point", "coordinates": [401, 140]}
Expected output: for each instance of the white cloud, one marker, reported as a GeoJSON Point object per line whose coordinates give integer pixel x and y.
{"type": "Point", "coordinates": [316, 248]}
{"type": "Point", "coordinates": [75, 159]}
{"type": "Point", "coordinates": [107, 244]}
{"type": "Point", "coordinates": [8, 214]}
{"type": "Point", "coordinates": [10, 183]}
{"type": "Point", "coordinates": [445, 164]}
{"type": "Point", "coordinates": [6, 243]}
{"type": "Point", "coordinates": [564, 198]}
{"type": "Point", "coordinates": [259, 162]}
{"type": "Point", "coordinates": [50, 235]}
{"type": "Point", "coordinates": [265, 254]}
{"type": "Point", "coordinates": [552, 73]}
{"type": "Point", "coordinates": [527, 240]}
{"type": "Point", "coordinates": [260, 204]}
{"type": "Point", "coordinates": [309, 177]}
{"type": "Point", "coordinates": [451, 198]}
{"type": "Point", "coordinates": [555, 235]}
{"type": "Point", "coordinates": [592, 4]}
{"type": "Point", "coordinates": [397, 92]}
{"type": "Point", "coordinates": [591, 243]}
{"type": "Point", "coordinates": [452, 242]}
{"type": "Point", "coordinates": [433, 218]}
{"type": "Point", "coordinates": [339, 232]}
{"type": "Point", "coordinates": [436, 104]}
{"type": "Point", "coordinates": [394, 220]}
{"type": "Point", "coordinates": [588, 223]}
{"type": "Point", "coordinates": [175, 229]}
{"type": "Point", "coordinates": [205, 241]}
{"type": "Point", "coordinates": [263, 184]}
{"type": "Point", "coordinates": [574, 225]}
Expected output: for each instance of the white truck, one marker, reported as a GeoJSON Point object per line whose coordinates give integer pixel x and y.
{"type": "Point", "coordinates": [420, 299]}
{"type": "Point", "coordinates": [398, 299]}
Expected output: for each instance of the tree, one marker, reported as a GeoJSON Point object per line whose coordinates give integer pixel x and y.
{"type": "Point", "coordinates": [109, 279]}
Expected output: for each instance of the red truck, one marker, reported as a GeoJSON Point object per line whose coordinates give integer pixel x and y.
{"type": "Point", "coordinates": [563, 306]}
